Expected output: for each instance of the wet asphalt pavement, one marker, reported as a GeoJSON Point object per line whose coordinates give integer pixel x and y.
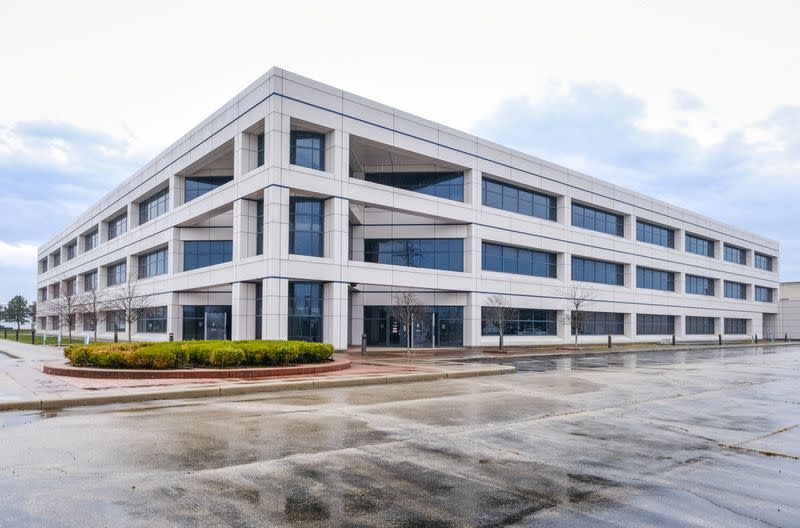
{"type": "Point", "coordinates": [706, 438]}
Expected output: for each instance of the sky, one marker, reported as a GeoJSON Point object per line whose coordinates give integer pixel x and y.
{"type": "Point", "coordinates": [695, 103]}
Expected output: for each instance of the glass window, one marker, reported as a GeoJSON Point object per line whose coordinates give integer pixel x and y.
{"type": "Point", "coordinates": [56, 290]}
{"type": "Point", "coordinates": [117, 226]}
{"type": "Point", "coordinates": [434, 253]}
{"type": "Point", "coordinates": [71, 250]}
{"type": "Point", "coordinates": [89, 323]}
{"type": "Point", "coordinates": [735, 254]}
{"type": "Point", "coordinates": [305, 311]}
{"type": "Point", "coordinates": [56, 258]}
{"type": "Point", "coordinates": [259, 305]}
{"type": "Point", "coordinates": [509, 259]}
{"type": "Point", "coordinates": [43, 264]}
{"type": "Point", "coordinates": [699, 285]}
{"type": "Point", "coordinates": [652, 279]}
{"type": "Point", "coordinates": [735, 290]}
{"type": "Point", "coordinates": [699, 245]}
{"type": "Point", "coordinates": [597, 220]}
{"type": "Point", "coordinates": [90, 281]}
{"type": "Point", "coordinates": [763, 294]}
{"type": "Point", "coordinates": [153, 263]}
{"type": "Point", "coordinates": [699, 325]}
{"type": "Point", "coordinates": [204, 253]}
{"type": "Point", "coordinates": [117, 274]}
{"type": "Point", "coordinates": [653, 234]}
{"type": "Point", "coordinates": [648, 324]}
{"type": "Point", "coordinates": [194, 321]}
{"type": "Point", "coordinates": [196, 186]}
{"type": "Point", "coordinates": [598, 271]}
{"type": "Point", "coordinates": [763, 262]}
{"type": "Point", "coordinates": [260, 157]}
{"type": "Point", "coordinates": [91, 240]}
{"type": "Point", "coordinates": [526, 322]}
{"type": "Point", "coordinates": [260, 227]}
{"type": "Point", "coordinates": [115, 321]}
{"type": "Point", "coordinates": [153, 207]}
{"type": "Point", "coordinates": [518, 200]}
{"type": "Point", "coordinates": [307, 149]}
{"type": "Point", "coordinates": [153, 321]}
{"type": "Point", "coordinates": [601, 323]}
{"type": "Point", "coordinates": [306, 226]}
{"type": "Point", "coordinates": [735, 326]}
{"type": "Point", "coordinates": [449, 185]}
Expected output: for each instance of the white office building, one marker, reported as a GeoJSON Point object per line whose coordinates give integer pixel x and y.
{"type": "Point", "coordinates": [298, 211]}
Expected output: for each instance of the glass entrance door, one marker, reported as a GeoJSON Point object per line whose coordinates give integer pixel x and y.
{"type": "Point", "coordinates": [216, 324]}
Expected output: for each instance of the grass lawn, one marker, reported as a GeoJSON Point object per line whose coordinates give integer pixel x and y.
{"type": "Point", "coordinates": [25, 337]}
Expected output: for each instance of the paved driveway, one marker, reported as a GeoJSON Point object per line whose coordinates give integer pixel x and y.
{"type": "Point", "coordinates": [628, 440]}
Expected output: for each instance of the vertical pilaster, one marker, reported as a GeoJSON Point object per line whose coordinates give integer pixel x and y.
{"type": "Point", "coordinates": [276, 308]}
{"type": "Point", "coordinates": [472, 320]}
{"type": "Point", "coordinates": [243, 311]}
{"type": "Point", "coordinates": [335, 316]}
{"type": "Point", "coordinates": [245, 218]}
{"type": "Point", "coordinates": [337, 224]}
{"type": "Point", "coordinates": [472, 251]}
{"type": "Point", "coordinates": [356, 317]}
{"type": "Point", "coordinates": [175, 251]}
{"type": "Point", "coordinates": [175, 191]}
{"type": "Point", "coordinates": [174, 317]}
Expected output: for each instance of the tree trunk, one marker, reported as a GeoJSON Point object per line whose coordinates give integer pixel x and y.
{"type": "Point", "coordinates": [501, 341]}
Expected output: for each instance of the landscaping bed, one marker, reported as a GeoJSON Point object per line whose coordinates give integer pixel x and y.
{"type": "Point", "coordinates": [197, 354]}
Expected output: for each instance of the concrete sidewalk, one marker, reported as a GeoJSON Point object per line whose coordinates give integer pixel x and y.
{"type": "Point", "coordinates": [20, 350]}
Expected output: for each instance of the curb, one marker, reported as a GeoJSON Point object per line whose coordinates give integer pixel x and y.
{"type": "Point", "coordinates": [250, 388]}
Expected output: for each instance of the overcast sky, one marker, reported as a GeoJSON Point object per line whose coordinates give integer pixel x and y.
{"type": "Point", "coordinates": [696, 103]}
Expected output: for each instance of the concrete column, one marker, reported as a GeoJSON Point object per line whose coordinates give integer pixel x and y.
{"type": "Point", "coordinates": [472, 250]}
{"type": "Point", "coordinates": [245, 158]}
{"type": "Point", "coordinates": [680, 327]}
{"type": "Point", "coordinates": [245, 225]}
{"type": "Point", "coordinates": [338, 153]}
{"type": "Point", "coordinates": [630, 325]}
{"type": "Point", "coordinates": [175, 251]}
{"type": "Point", "coordinates": [564, 266]}
{"type": "Point", "coordinates": [275, 305]}
{"type": "Point", "coordinates": [276, 219]}
{"type": "Point", "coordinates": [175, 191]}
{"type": "Point", "coordinates": [472, 320]}
{"type": "Point", "coordinates": [335, 315]}
{"type": "Point", "coordinates": [243, 311]}
{"type": "Point", "coordinates": [680, 239]}
{"type": "Point", "coordinates": [629, 227]}
{"type": "Point", "coordinates": [564, 207]}
{"type": "Point", "coordinates": [472, 187]}
{"type": "Point", "coordinates": [133, 215]}
{"type": "Point", "coordinates": [337, 225]}
{"type": "Point", "coordinates": [174, 317]}
{"type": "Point", "coordinates": [356, 317]}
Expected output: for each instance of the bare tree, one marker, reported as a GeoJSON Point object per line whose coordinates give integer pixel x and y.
{"type": "Point", "coordinates": [92, 304]}
{"type": "Point", "coordinates": [499, 312]}
{"type": "Point", "coordinates": [67, 306]}
{"type": "Point", "coordinates": [129, 301]}
{"type": "Point", "coordinates": [407, 309]}
{"type": "Point", "coordinates": [578, 295]}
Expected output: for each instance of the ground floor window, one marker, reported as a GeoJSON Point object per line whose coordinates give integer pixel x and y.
{"type": "Point", "coordinates": [305, 311]}
{"type": "Point", "coordinates": [206, 322]}
{"type": "Point", "coordinates": [699, 325]}
{"type": "Point", "coordinates": [115, 321]}
{"type": "Point", "coordinates": [153, 321]}
{"type": "Point", "coordinates": [736, 326]}
{"type": "Point", "coordinates": [648, 324]}
{"type": "Point", "coordinates": [259, 305]}
{"type": "Point", "coordinates": [600, 323]}
{"type": "Point", "coordinates": [89, 324]}
{"type": "Point", "coordinates": [440, 326]}
{"type": "Point", "coordinates": [525, 322]}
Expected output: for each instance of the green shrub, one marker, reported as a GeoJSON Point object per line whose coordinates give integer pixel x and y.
{"type": "Point", "coordinates": [220, 354]}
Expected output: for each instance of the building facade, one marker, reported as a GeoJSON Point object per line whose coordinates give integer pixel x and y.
{"type": "Point", "coordinates": [789, 311]}
{"type": "Point", "coordinates": [300, 211]}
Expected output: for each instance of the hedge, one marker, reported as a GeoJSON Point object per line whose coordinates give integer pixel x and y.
{"type": "Point", "coordinates": [220, 354]}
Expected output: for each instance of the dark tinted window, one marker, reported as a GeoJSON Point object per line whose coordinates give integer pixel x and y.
{"type": "Point", "coordinates": [599, 271]}
{"type": "Point", "coordinates": [203, 253]}
{"type": "Point", "coordinates": [259, 307]}
{"type": "Point", "coordinates": [735, 290]}
{"type": "Point", "coordinates": [653, 234]}
{"type": "Point", "coordinates": [196, 186]}
{"type": "Point", "coordinates": [509, 259]}
{"type": "Point", "coordinates": [699, 285]}
{"type": "Point", "coordinates": [153, 207]}
{"type": "Point", "coordinates": [306, 226]}
{"type": "Point", "coordinates": [260, 227]}
{"type": "Point", "coordinates": [115, 321]}
{"type": "Point", "coordinates": [652, 279]}
{"type": "Point", "coordinates": [735, 254]}
{"type": "Point", "coordinates": [699, 246]}
{"type": "Point", "coordinates": [448, 185]}
{"type": "Point", "coordinates": [307, 150]}
{"type": "Point", "coordinates": [71, 249]}
{"type": "Point", "coordinates": [597, 220]}
{"type": "Point", "coordinates": [117, 226]}
{"type": "Point", "coordinates": [736, 326]}
{"type": "Point", "coordinates": [647, 324]}
{"type": "Point", "coordinates": [153, 321]}
{"type": "Point", "coordinates": [260, 155]}
{"type": "Point", "coordinates": [90, 281]}
{"type": "Point", "coordinates": [763, 262]}
{"type": "Point", "coordinates": [525, 322]}
{"type": "Point", "coordinates": [305, 311]}
{"type": "Point", "coordinates": [601, 323]}
{"type": "Point", "coordinates": [699, 325]}
{"type": "Point", "coordinates": [434, 253]}
{"type": "Point", "coordinates": [518, 200]}
{"type": "Point", "coordinates": [153, 263]}
{"type": "Point", "coordinates": [117, 274]}
{"type": "Point", "coordinates": [763, 294]}
{"type": "Point", "coordinates": [91, 240]}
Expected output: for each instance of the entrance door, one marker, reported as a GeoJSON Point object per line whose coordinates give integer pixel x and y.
{"type": "Point", "coordinates": [216, 325]}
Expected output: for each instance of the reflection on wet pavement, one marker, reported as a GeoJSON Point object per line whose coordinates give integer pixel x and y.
{"type": "Point", "coordinates": [706, 438]}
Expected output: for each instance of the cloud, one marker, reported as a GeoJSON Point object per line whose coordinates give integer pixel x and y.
{"type": "Point", "coordinates": [749, 178]}
{"type": "Point", "coordinates": [686, 101]}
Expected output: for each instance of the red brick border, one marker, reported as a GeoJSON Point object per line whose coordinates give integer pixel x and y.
{"type": "Point", "coordinates": [193, 373]}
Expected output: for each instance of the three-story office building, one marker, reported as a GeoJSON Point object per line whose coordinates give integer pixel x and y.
{"type": "Point", "coordinates": [298, 210]}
